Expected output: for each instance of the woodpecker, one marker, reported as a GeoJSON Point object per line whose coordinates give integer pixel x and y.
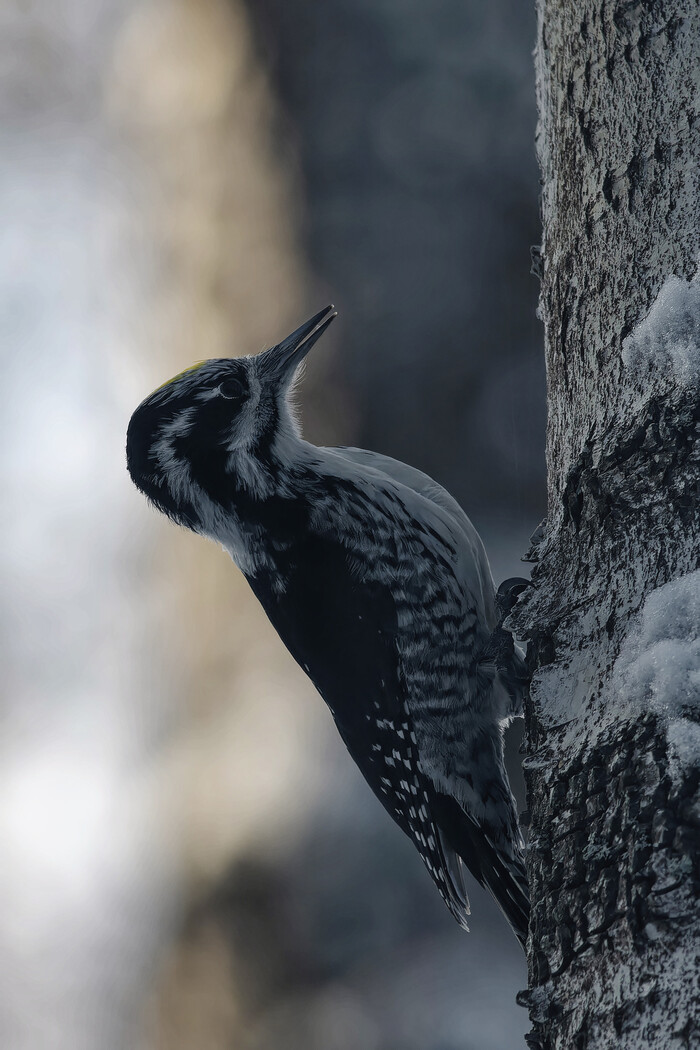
{"type": "Point", "coordinates": [379, 586]}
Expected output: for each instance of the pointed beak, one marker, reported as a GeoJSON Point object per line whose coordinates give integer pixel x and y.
{"type": "Point", "coordinates": [282, 361]}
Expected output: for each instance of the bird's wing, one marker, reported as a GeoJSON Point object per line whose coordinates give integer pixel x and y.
{"type": "Point", "coordinates": [467, 795]}
{"type": "Point", "coordinates": [442, 509]}
{"type": "Point", "coordinates": [341, 628]}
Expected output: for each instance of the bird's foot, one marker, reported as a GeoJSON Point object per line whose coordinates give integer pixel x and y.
{"type": "Point", "coordinates": [508, 594]}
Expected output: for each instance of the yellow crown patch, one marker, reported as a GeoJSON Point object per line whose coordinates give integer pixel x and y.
{"type": "Point", "coordinates": [190, 368]}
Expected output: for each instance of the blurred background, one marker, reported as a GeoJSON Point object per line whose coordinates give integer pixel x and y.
{"type": "Point", "coordinates": [189, 859]}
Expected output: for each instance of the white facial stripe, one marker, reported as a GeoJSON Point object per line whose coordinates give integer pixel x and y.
{"type": "Point", "coordinates": [250, 473]}
{"type": "Point", "coordinates": [208, 394]}
{"type": "Point", "coordinates": [253, 381]}
{"type": "Point", "coordinates": [181, 425]}
{"type": "Point", "coordinates": [174, 428]}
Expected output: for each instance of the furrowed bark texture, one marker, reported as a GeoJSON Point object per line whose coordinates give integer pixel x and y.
{"type": "Point", "coordinates": [614, 839]}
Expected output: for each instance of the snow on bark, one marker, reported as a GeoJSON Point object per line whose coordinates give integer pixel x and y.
{"type": "Point", "coordinates": [612, 723]}
{"type": "Point", "coordinates": [663, 351]}
{"type": "Point", "coordinates": [658, 668]}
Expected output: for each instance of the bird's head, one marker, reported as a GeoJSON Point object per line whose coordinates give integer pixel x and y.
{"type": "Point", "coordinates": [218, 428]}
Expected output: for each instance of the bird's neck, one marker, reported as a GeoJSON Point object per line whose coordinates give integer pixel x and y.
{"type": "Point", "coordinates": [278, 471]}
{"type": "Point", "coordinates": [271, 499]}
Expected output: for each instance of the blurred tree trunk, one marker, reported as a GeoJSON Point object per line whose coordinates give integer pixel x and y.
{"type": "Point", "coordinates": [612, 765]}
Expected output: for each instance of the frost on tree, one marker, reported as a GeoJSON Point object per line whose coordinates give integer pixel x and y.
{"type": "Point", "coordinates": [614, 616]}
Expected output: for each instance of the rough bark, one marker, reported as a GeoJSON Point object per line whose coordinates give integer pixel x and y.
{"type": "Point", "coordinates": [611, 769]}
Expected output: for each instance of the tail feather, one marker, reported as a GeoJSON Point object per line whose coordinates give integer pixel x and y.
{"type": "Point", "coordinates": [504, 876]}
{"type": "Point", "coordinates": [499, 870]}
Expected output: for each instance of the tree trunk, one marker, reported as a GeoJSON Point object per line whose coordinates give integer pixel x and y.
{"type": "Point", "coordinates": [613, 737]}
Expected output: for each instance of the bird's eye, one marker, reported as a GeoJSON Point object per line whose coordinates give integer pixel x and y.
{"type": "Point", "coordinates": [231, 389]}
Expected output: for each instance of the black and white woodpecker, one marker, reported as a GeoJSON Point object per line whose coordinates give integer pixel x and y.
{"type": "Point", "coordinates": [379, 586]}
